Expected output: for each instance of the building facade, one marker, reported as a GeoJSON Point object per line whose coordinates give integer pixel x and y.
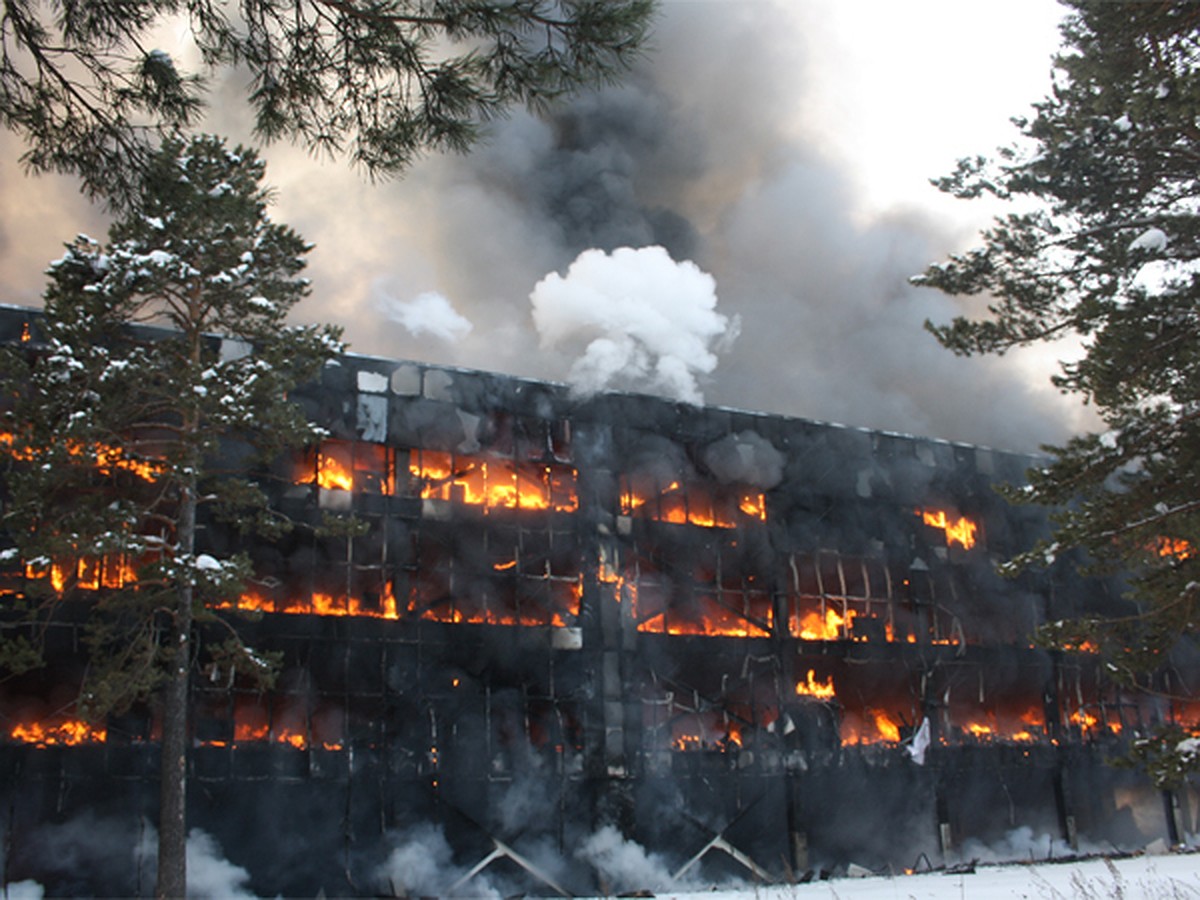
{"type": "Point", "coordinates": [755, 646]}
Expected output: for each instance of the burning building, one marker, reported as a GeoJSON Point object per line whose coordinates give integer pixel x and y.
{"type": "Point", "coordinates": [753, 645]}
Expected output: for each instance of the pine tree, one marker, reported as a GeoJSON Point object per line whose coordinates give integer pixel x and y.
{"type": "Point", "coordinates": [132, 422]}
{"type": "Point", "coordinates": [1104, 248]}
{"type": "Point", "coordinates": [378, 80]}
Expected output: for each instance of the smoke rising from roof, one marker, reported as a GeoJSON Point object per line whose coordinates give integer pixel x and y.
{"type": "Point", "coordinates": [428, 313]}
{"type": "Point", "coordinates": [710, 151]}
{"type": "Point", "coordinates": [648, 322]}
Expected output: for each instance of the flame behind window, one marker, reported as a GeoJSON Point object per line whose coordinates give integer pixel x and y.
{"type": "Point", "coordinates": [110, 572]}
{"type": "Point", "coordinates": [959, 531]}
{"type": "Point", "coordinates": [493, 482]}
{"type": "Point", "coordinates": [817, 690]}
{"type": "Point", "coordinates": [107, 459]}
{"type": "Point", "coordinates": [349, 466]}
{"type": "Point", "coordinates": [56, 733]}
{"type": "Point", "coordinates": [697, 503]}
{"type": "Point", "coordinates": [1172, 547]}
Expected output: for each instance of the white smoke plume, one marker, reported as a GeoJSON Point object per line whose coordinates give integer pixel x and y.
{"type": "Point", "coordinates": [420, 864]}
{"type": "Point", "coordinates": [428, 313]}
{"type": "Point", "coordinates": [1022, 844]}
{"type": "Point", "coordinates": [23, 890]}
{"type": "Point", "coordinates": [624, 865]}
{"type": "Point", "coordinates": [644, 321]}
{"type": "Point", "coordinates": [210, 876]}
{"type": "Point", "coordinates": [90, 850]}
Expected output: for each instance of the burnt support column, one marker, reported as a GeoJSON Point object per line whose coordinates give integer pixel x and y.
{"type": "Point", "coordinates": [1175, 825]}
{"type": "Point", "coordinates": [1064, 803]}
{"type": "Point", "coordinates": [797, 836]}
{"type": "Point", "coordinates": [942, 810]}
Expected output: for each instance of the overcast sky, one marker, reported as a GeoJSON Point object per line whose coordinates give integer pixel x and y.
{"type": "Point", "coordinates": [782, 146]}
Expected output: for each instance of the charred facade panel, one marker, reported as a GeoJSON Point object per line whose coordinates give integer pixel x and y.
{"type": "Point", "coordinates": [753, 645]}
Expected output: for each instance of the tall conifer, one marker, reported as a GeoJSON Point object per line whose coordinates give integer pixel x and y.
{"type": "Point", "coordinates": [1105, 248]}
{"type": "Point", "coordinates": [162, 377]}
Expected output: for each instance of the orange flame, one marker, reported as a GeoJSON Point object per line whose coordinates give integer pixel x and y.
{"type": "Point", "coordinates": [245, 732]}
{"type": "Point", "coordinates": [495, 483]}
{"type": "Point", "coordinates": [979, 730]}
{"type": "Point", "coordinates": [816, 689]}
{"type": "Point", "coordinates": [697, 504]}
{"type": "Point", "coordinates": [813, 626]}
{"type": "Point", "coordinates": [873, 726]}
{"type": "Point", "coordinates": [64, 733]}
{"type": "Point", "coordinates": [1090, 723]}
{"type": "Point", "coordinates": [887, 729]}
{"type": "Point", "coordinates": [90, 574]}
{"type": "Point", "coordinates": [754, 505]}
{"type": "Point", "coordinates": [728, 625]}
{"type": "Point", "coordinates": [961, 531]}
{"type": "Point", "coordinates": [321, 605]}
{"type": "Point", "coordinates": [107, 458]}
{"type": "Point", "coordinates": [1175, 547]}
{"type": "Point", "coordinates": [330, 474]}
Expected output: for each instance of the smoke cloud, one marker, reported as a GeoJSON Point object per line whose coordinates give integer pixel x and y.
{"type": "Point", "coordinates": [23, 890]}
{"type": "Point", "coordinates": [745, 458]}
{"type": "Point", "coordinates": [421, 864]}
{"type": "Point", "coordinates": [1023, 844]}
{"type": "Point", "coordinates": [648, 322]}
{"type": "Point", "coordinates": [75, 856]}
{"type": "Point", "coordinates": [711, 150]}
{"type": "Point", "coordinates": [427, 313]}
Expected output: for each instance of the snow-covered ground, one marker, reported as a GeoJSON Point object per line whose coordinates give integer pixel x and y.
{"type": "Point", "coordinates": [1136, 878]}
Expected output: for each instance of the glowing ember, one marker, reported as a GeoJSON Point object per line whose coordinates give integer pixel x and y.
{"type": "Point", "coordinates": [257, 732]}
{"type": "Point", "coordinates": [717, 622]}
{"type": "Point", "coordinates": [872, 726]}
{"type": "Point", "coordinates": [64, 733]}
{"type": "Point", "coordinates": [960, 531]}
{"type": "Point", "coordinates": [754, 505]}
{"type": "Point", "coordinates": [1173, 547]}
{"type": "Point", "coordinates": [565, 603]}
{"type": "Point", "coordinates": [816, 689]}
{"type": "Point", "coordinates": [694, 504]}
{"type": "Point", "coordinates": [979, 730]}
{"type": "Point", "coordinates": [1091, 723]}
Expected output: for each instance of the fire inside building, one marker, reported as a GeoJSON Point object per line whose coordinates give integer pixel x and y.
{"type": "Point", "coordinates": [756, 646]}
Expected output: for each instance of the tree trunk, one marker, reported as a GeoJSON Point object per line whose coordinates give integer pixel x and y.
{"type": "Point", "coordinates": [172, 804]}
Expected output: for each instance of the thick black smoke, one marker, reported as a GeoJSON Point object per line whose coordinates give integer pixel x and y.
{"type": "Point", "coordinates": [701, 153]}
{"type": "Point", "coordinates": [704, 151]}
